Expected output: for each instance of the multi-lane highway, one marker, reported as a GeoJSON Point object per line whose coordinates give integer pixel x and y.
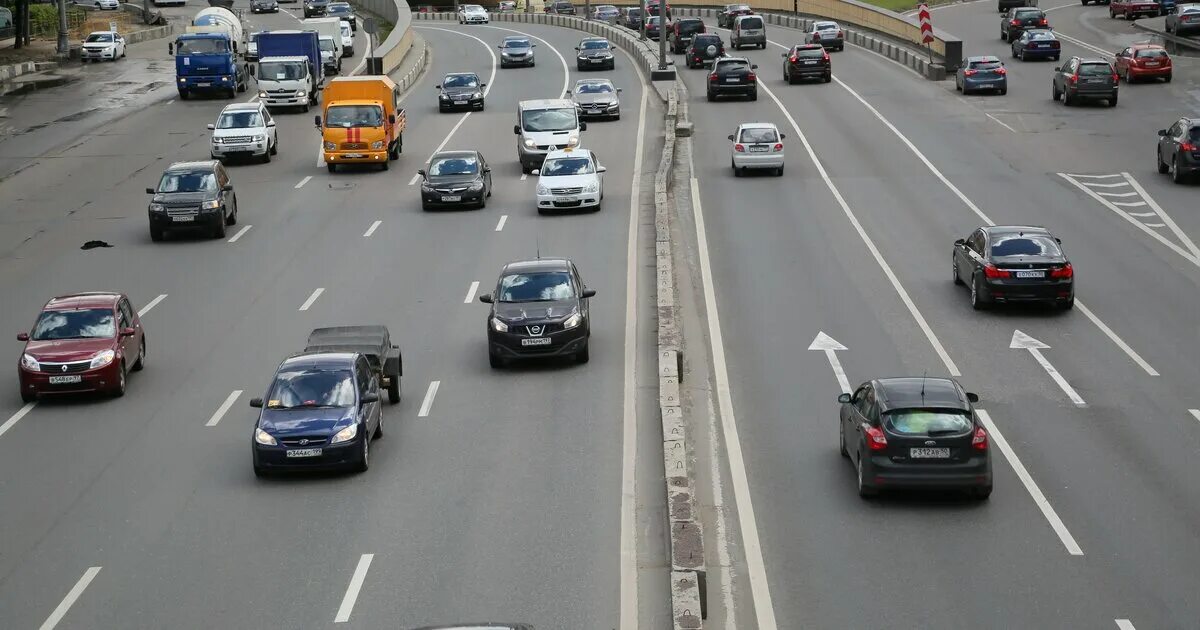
{"type": "Point", "coordinates": [496, 495]}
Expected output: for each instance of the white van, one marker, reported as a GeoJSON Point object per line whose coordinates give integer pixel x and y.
{"type": "Point", "coordinates": [748, 30]}
{"type": "Point", "coordinates": [545, 125]}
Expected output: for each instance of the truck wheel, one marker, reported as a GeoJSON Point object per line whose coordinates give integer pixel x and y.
{"type": "Point", "coordinates": [394, 391]}
{"type": "Point", "coordinates": [331, 167]}
{"type": "Point", "coordinates": [183, 95]}
{"type": "Point", "coordinates": [384, 166]}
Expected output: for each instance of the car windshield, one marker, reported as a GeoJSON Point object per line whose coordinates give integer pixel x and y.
{"type": "Point", "coordinates": [567, 166]}
{"type": "Point", "coordinates": [1151, 53]}
{"type": "Point", "coordinates": [516, 43]}
{"type": "Point", "coordinates": [310, 387]}
{"type": "Point", "coordinates": [460, 81]}
{"type": "Point", "coordinates": [346, 32]}
{"type": "Point", "coordinates": [826, 26]}
{"type": "Point", "coordinates": [92, 323]}
{"type": "Point", "coordinates": [549, 119]}
{"type": "Point", "coordinates": [1040, 34]}
{"type": "Point", "coordinates": [354, 116]}
{"type": "Point", "coordinates": [988, 64]}
{"type": "Point", "coordinates": [1095, 69]}
{"type": "Point", "coordinates": [593, 45]}
{"type": "Point", "coordinates": [751, 22]}
{"type": "Point", "coordinates": [201, 46]}
{"type": "Point", "coordinates": [282, 70]}
{"type": "Point", "coordinates": [1027, 245]}
{"type": "Point", "coordinates": [543, 286]}
{"type": "Point", "coordinates": [593, 88]}
{"type": "Point", "coordinates": [337, 10]}
{"type": "Point", "coordinates": [327, 44]}
{"type": "Point", "coordinates": [929, 422]}
{"type": "Point", "coordinates": [758, 134]}
{"type": "Point", "coordinates": [460, 165]}
{"type": "Point", "coordinates": [200, 181]}
{"type": "Point", "coordinates": [99, 37]}
{"type": "Point", "coordinates": [239, 120]}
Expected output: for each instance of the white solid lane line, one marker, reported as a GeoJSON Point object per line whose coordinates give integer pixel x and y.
{"type": "Point", "coordinates": [303, 181]}
{"type": "Point", "coordinates": [1124, 624]}
{"type": "Point", "coordinates": [16, 417]}
{"type": "Point", "coordinates": [356, 582]}
{"type": "Point", "coordinates": [223, 409]}
{"type": "Point", "coordinates": [500, 224]}
{"type": "Point", "coordinates": [312, 298]}
{"type": "Point", "coordinates": [69, 600]}
{"type": "Point", "coordinates": [1022, 341]}
{"type": "Point", "coordinates": [1001, 123]}
{"type": "Point", "coordinates": [371, 230]}
{"type": "Point", "coordinates": [1195, 414]}
{"type": "Point", "coordinates": [152, 304]}
{"type": "Point", "coordinates": [430, 394]}
{"type": "Point", "coordinates": [1137, 358]}
{"type": "Point", "coordinates": [471, 292]}
{"type": "Point", "coordinates": [240, 232]}
{"type": "Point", "coordinates": [1031, 486]}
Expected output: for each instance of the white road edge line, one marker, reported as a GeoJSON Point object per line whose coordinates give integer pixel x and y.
{"type": "Point", "coordinates": [371, 230]}
{"type": "Point", "coordinates": [151, 304]}
{"type": "Point", "coordinates": [430, 394]}
{"type": "Point", "coordinates": [1136, 223]}
{"type": "Point", "coordinates": [500, 223]}
{"type": "Point", "coordinates": [1124, 624]}
{"type": "Point", "coordinates": [245, 228]}
{"type": "Point", "coordinates": [303, 181]}
{"type": "Point", "coordinates": [16, 417]}
{"type": "Point", "coordinates": [312, 298]}
{"type": "Point", "coordinates": [223, 409]}
{"type": "Point", "coordinates": [1031, 486]}
{"type": "Point", "coordinates": [69, 600]}
{"type": "Point", "coordinates": [471, 292]}
{"type": "Point", "coordinates": [356, 582]}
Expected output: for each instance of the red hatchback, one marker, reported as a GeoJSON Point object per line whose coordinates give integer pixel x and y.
{"type": "Point", "coordinates": [1144, 61]}
{"type": "Point", "coordinates": [85, 342]}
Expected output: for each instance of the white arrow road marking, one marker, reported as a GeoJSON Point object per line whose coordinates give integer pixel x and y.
{"type": "Point", "coordinates": [1109, 176]}
{"type": "Point", "coordinates": [430, 394]}
{"type": "Point", "coordinates": [1129, 204]}
{"type": "Point", "coordinates": [1099, 185]}
{"type": "Point", "coordinates": [831, 346]}
{"type": "Point", "coordinates": [1110, 194]}
{"type": "Point", "coordinates": [152, 304]}
{"type": "Point", "coordinates": [1124, 624]}
{"type": "Point", "coordinates": [223, 409]}
{"type": "Point", "coordinates": [1021, 341]}
{"type": "Point", "coordinates": [1191, 253]}
{"type": "Point", "coordinates": [69, 600]}
{"type": "Point", "coordinates": [356, 582]}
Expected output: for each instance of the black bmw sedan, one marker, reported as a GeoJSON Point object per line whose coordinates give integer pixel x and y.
{"type": "Point", "coordinates": [460, 90]}
{"type": "Point", "coordinates": [539, 309]}
{"type": "Point", "coordinates": [1014, 263]}
{"type": "Point", "coordinates": [914, 432]}
{"type": "Point", "coordinates": [456, 179]}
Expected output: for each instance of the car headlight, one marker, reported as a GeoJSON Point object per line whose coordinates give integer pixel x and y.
{"type": "Point", "coordinates": [102, 359]}
{"type": "Point", "coordinates": [426, 186]}
{"type": "Point", "coordinates": [572, 321]}
{"type": "Point", "coordinates": [329, 146]}
{"type": "Point", "coordinates": [542, 190]}
{"type": "Point", "coordinates": [301, 93]}
{"type": "Point", "coordinates": [444, 97]}
{"type": "Point", "coordinates": [476, 186]}
{"type": "Point", "coordinates": [156, 207]}
{"type": "Point", "coordinates": [264, 438]}
{"type": "Point", "coordinates": [30, 363]}
{"type": "Point", "coordinates": [499, 326]}
{"type": "Point", "coordinates": [573, 142]}
{"type": "Point", "coordinates": [345, 435]}
{"type": "Point", "coordinates": [262, 94]}
{"type": "Point", "coordinates": [592, 187]}
{"type": "Point", "coordinates": [529, 143]}
{"type": "Point", "coordinates": [211, 205]}
{"type": "Point", "coordinates": [259, 138]}
{"type": "Point", "coordinates": [226, 79]}
{"type": "Point", "coordinates": [378, 144]}
{"type": "Point", "coordinates": [477, 95]}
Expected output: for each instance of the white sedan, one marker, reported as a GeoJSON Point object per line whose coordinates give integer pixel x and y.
{"type": "Point", "coordinates": [757, 145]}
{"type": "Point", "coordinates": [102, 46]}
{"type": "Point", "coordinates": [103, 5]}
{"type": "Point", "coordinates": [570, 179]}
{"type": "Point", "coordinates": [472, 14]}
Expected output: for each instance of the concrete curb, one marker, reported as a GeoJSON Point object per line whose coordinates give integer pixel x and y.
{"type": "Point", "coordinates": [420, 47]}
{"type": "Point", "coordinates": [900, 53]}
{"type": "Point", "coordinates": [145, 35]}
{"type": "Point", "coordinates": [15, 70]}
{"type": "Point", "coordinates": [1174, 39]}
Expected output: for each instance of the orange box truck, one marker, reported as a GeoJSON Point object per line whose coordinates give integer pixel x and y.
{"type": "Point", "coordinates": [362, 121]}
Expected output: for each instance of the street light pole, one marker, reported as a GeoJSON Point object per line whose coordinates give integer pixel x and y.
{"type": "Point", "coordinates": [64, 45]}
{"type": "Point", "coordinates": [662, 35]}
{"type": "Point", "coordinates": [642, 26]}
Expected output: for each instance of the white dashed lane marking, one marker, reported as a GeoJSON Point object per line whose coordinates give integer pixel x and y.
{"type": "Point", "coordinates": [430, 394]}
{"type": "Point", "coordinates": [240, 233]}
{"type": "Point", "coordinates": [152, 304]}
{"type": "Point", "coordinates": [371, 230]}
{"type": "Point", "coordinates": [500, 224]}
{"type": "Point", "coordinates": [303, 181]}
{"type": "Point", "coordinates": [312, 298]}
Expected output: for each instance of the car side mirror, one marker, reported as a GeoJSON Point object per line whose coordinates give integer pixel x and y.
{"type": "Point", "coordinates": [227, 188]}
{"type": "Point", "coordinates": [587, 293]}
{"type": "Point", "coordinates": [601, 169]}
{"type": "Point", "coordinates": [486, 298]}
{"type": "Point", "coordinates": [1058, 240]}
{"type": "Point", "coordinates": [844, 399]}
{"type": "Point", "coordinates": [368, 397]}
{"type": "Point", "coordinates": [170, 49]}
{"type": "Point", "coordinates": [487, 169]}
{"type": "Point", "coordinates": [391, 119]}
{"type": "Point", "coordinates": [576, 48]}
{"type": "Point", "coordinates": [256, 403]}
{"type": "Point", "coordinates": [783, 136]}
{"type": "Point", "coordinates": [271, 124]}
{"type": "Point", "coordinates": [211, 126]}
{"type": "Point", "coordinates": [317, 121]}
{"type": "Point", "coordinates": [1058, 68]}
{"type": "Point", "coordinates": [22, 336]}
{"type": "Point", "coordinates": [149, 191]}
{"type": "Point", "coordinates": [730, 136]}
{"type": "Point", "coordinates": [960, 242]}
{"type": "Point", "coordinates": [421, 172]}
{"type": "Point", "coordinates": [517, 129]}
{"type": "Point", "coordinates": [754, 66]}
{"type": "Point", "coordinates": [972, 397]}
{"type": "Point", "coordinates": [582, 126]}
{"type": "Point", "coordinates": [482, 85]}
{"type": "Point", "coordinates": [128, 332]}
{"type": "Point", "coordinates": [618, 90]}
{"type": "Point", "coordinates": [438, 86]}
{"type": "Point", "coordinates": [536, 171]}
{"type": "Point", "coordinates": [1162, 132]}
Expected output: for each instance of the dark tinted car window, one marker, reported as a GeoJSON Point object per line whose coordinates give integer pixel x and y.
{"type": "Point", "coordinates": [312, 387]}
{"type": "Point", "coordinates": [92, 323]}
{"type": "Point", "coordinates": [1194, 134]}
{"type": "Point", "coordinates": [1040, 34]}
{"type": "Point", "coordinates": [1093, 69]}
{"type": "Point", "coordinates": [985, 65]}
{"type": "Point", "coordinates": [516, 43]}
{"type": "Point", "coordinates": [594, 45]}
{"type": "Point", "coordinates": [707, 40]}
{"type": "Point", "coordinates": [1027, 245]}
{"type": "Point", "coordinates": [752, 22]}
{"type": "Point", "coordinates": [1027, 13]}
{"type": "Point", "coordinates": [460, 80]}
{"type": "Point", "coordinates": [927, 422]}
{"type": "Point", "coordinates": [732, 66]}
{"type": "Point", "coordinates": [454, 166]}
{"type": "Point", "coordinates": [810, 53]}
{"type": "Point", "coordinates": [200, 181]}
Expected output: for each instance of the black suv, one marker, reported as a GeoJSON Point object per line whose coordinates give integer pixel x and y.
{"type": "Point", "coordinates": [807, 61]}
{"type": "Point", "coordinates": [315, 8]}
{"type": "Point", "coordinates": [733, 76]}
{"type": "Point", "coordinates": [1017, 20]}
{"type": "Point", "coordinates": [705, 47]}
{"type": "Point", "coordinates": [1179, 149]}
{"type": "Point", "coordinates": [539, 309]}
{"type": "Point", "coordinates": [1080, 78]}
{"type": "Point", "coordinates": [681, 32]}
{"type": "Point", "coordinates": [193, 196]}
{"type": "Point", "coordinates": [595, 53]}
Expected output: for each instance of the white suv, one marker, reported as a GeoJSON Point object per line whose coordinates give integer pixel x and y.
{"type": "Point", "coordinates": [570, 179]}
{"type": "Point", "coordinates": [244, 130]}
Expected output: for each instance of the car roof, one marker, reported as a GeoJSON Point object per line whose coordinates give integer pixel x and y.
{"type": "Point", "coordinates": [757, 125]}
{"type": "Point", "coordinates": [87, 299]}
{"type": "Point", "coordinates": [825, 23]}
{"type": "Point", "coordinates": [451, 154]}
{"type": "Point", "coordinates": [594, 39]}
{"type": "Point", "coordinates": [1015, 229]}
{"type": "Point", "coordinates": [462, 74]}
{"type": "Point", "coordinates": [593, 80]}
{"type": "Point", "coordinates": [810, 46]}
{"type": "Point", "coordinates": [569, 152]}
{"type": "Point", "coordinates": [244, 107]}
{"type": "Point", "coordinates": [1147, 46]}
{"type": "Point", "coordinates": [545, 103]}
{"type": "Point", "coordinates": [908, 392]}
{"type": "Point", "coordinates": [539, 264]}
{"type": "Point", "coordinates": [521, 38]}
{"type": "Point", "coordinates": [1092, 60]}
{"type": "Point", "coordinates": [319, 359]}
{"type": "Point", "coordinates": [984, 58]}
{"type": "Point", "coordinates": [205, 165]}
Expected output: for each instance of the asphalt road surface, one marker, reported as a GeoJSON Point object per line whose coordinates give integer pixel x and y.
{"type": "Point", "coordinates": [495, 494]}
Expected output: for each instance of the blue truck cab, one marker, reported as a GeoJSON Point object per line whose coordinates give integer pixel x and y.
{"type": "Point", "coordinates": [207, 62]}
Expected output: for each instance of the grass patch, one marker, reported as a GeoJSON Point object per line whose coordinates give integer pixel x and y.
{"type": "Point", "coordinates": [900, 6]}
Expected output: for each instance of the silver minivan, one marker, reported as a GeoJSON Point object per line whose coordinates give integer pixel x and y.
{"type": "Point", "coordinates": [748, 30]}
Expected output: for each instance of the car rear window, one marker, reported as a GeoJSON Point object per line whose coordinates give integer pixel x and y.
{"type": "Point", "coordinates": [810, 53]}
{"type": "Point", "coordinates": [707, 39]}
{"type": "Point", "coordinates": [754, 135]}
{"type": "Point", "coordinates": [826, 26]}
{"type": "Point", "coordinates": [1093, 69]}
{"type": "Point", "coordinates": [691, 26]}
{"type": "Point", "coordinates": [1040, 35]}
{"type": "Point", "coordinates": [931, 422]}
{"type": "Point", "coordinates": [986, 65]}
{"type": "Point", "coordinates": [732, 66]}
{"type": "Point", "coordinates": [1028, 13]}
{"type": "Point", "coordinates": [751, 22]}
{"type": "Point", "coordinates": [1027, 245]}
{"type": "Point", "coordinates": [1150, 53]}
{"type": "Point", "coordinates": [1194, 134]}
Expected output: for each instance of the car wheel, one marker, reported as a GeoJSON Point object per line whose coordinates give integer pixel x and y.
{"type": "Point", "coordinates": [184, 95]}
{"type": "Point", "coordinates": [842, 441]}
{"type": "Point", "coordinates": [1112, 101]}
{"type": "Point", "coordinates": [156, 234]}
{"type": "Point", "coordinates": [582, 355]}
{"type": "Point", "coordinates": [1167, 79]}
{"type": "Point", "coordinates": [275, 147]}
{"type": "Point", "coordinates": [954, 269]}
{"type": "Point", "coordinates": [1003, 91]}
{"type": "Point", "coordinates": [140, 363]}
{"type": "Point", "coordinates": [219, 231]}
{"type": "Point", "coordinates": [957, 85]}
{"type": "Point", "coordinates": [394, 390]}
{"type": "Point", "coordinates": [779, 172]}
{"type": "Point", "coordinates": [1003, 36]}
{"type": "Point", "coordinates": [864, 490]}
{"type": "Point", "coordinates": [1054, 93]}
{"type": "Point", "coordinates": [712, 97]}
{"type": "Point", "coordinates": [267, 157]}
{"type": "Point", "coordinates": [495, 361]}
{"type": "Point", "coordinates": [977, 302]}
{"type": "Point", "coordinates": [384, 166]}
{"type": "Point", "coordinates": [736, 171]}
{"type": "Point", "coordinates": [119, 390]}
{"type": "Point", "coordinates": [1069, 304]}
{"type": "Point", "coordinates": [1067, 100]}
{"type": "Point", "coordinates": [364, 458]}
{"type": "Point", "coordinates": [378, 429]}
{"type": "Point", "coordinates": [1175, 174]}
{"type": "Point", "coordinates": [982, 492]}
{"type": "Point", "coordinates": [754, 95]}
{"type": "Point", "coordinates": [1162, 167]}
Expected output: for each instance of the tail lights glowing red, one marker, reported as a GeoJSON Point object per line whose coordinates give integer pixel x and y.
{"type": "Point", "coordinates": [969, 73]}
{"type": "Point", "coordinates": [1115, 78]}
{"type": "Point", "coordinates": [840, 36]}
{"type": "Point", "coordinates": [1042, 22]}
{"type": "Point", "coordinates": [1001, 71]}
{"type": "Point", "coordinates": [1015, 22]}
{"type": "Point", "coordinates": [1074, 78]}
{"type": "Point", "coordinates": [991, 271]}
{"type": "Point", "coordinates": [1065, 271]}
{"type": "Point", "coordinates": [979, 441]}
{"type": "Point", "coordinates": [778, 146]}
{"type": "Point", "coordinates": [876, 440]}
{"type": "Point", "coordinates": [739, 147]}
{"type": "Point", "coordinates": [793, 58]}
{"type": "Point", "coordinates": [750, 76]}
{"type": "Point", "coordinates": [1188, 146]}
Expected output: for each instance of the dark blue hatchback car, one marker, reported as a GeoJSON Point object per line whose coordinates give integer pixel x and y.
{"type": "Point", "coordinates": [321, 411]}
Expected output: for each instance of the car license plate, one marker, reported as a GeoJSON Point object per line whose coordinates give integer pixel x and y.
{"type": "Point", "coordinates": [731, 80]}
{"type": "Point", "coordinates": [61, 380]}
{"type": "Point", "coordinates": [1151, 64]}
{"type": "Point", "coordinates": [451, 197]}
{"type": "Point", "coordinates": [754, 149]}
{"type": "Point", "coordinates": [536, 341]}
{"type": "Point", "coordinates": [316, 452]}
{"type": "Point", "coordinates": [1031, 274]}
{"type": "Point", "coordinates": [986, 86]}
{"type": "Point", "coordinates": [564, 199]}
{"type": "Point", "coordinates": [183, 219]}
{"type": "Point", "coordinates": [929, 453]}
{"type": "Point", "coordinates": [203, 85]}
{"type": "Point", "coordinates": [354, 156]}
{"type": "Point", "coordinates": [460, 102]}
{"type": "Point", "coordinates": [810, 63]}
{"type": "Point", "coordinates": [1095, 81]}
{"type": "Point", "coordinates": [596, 60]}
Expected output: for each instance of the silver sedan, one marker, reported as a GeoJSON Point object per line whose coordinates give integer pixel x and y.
{"type": "Point", "coordinates": [596, 98]}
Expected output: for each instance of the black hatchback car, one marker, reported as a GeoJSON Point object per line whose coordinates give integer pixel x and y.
{"type": "Point", "coordinates": [733, 76]}
{"type": "Point", "coordinates": [1179, 149]}
{"type": "Point", "coordinates": [460, 90]}
{"type": "Point", "coordinates": [1079, 79]}
{"type": "Point", "coordinates": [1014, 263]}
{"type": "Point", "coordinates": [807, 61]}
{"type": "Point", "coordinates": [456, 179]}
{"type": "Point", "coordinates": [539, 309]}
{"type": "Point", "coordinates": [914, 432]}
{"type": "Point", "coordinates": [1017, 20]}
{"type": "Point", "coordinates": [192, 196]}
{"type": "Point", "coordinates": [704, 49]}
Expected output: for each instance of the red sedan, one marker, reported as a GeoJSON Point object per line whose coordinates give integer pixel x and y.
{"type": "Point", "coordinates": [1143, 61]}
{"type": "Point", "coordinates": [84, 342]}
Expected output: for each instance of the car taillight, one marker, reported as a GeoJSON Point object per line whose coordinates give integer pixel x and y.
{"type": "Point", "coordinates": [750, 76]}
{"type": "Point", "coordinates": [712, 78]}
{"type": "Point", "coordinates": [979, 441]}
{"type": "Point", "coordinates": [1043, 22]}
{"type": "Point", "coordinates": [991, 271]}
{"type": "Point", "coordinates": [1115, 78]}
{"type": "Point", "coordinates": [739, 147]}
{"type": "Point", "coordinates": [968, 73]}
{"type": "Point", "coordinates": [876, 440]}
{"type": "Point", "coordinates": [1015, 22]}
{"type": "Point", "coordinates": [778, 146]}
{"type": "Point", "coordinates": [1187, 146]}
{"type": "Point", "coordinates": [824, 55]}
{"type": "Point", "coordinates": [793, 58]}
{"type": "Point", "coordinates": [1001, 71]}
{"type": "Point", "coordinates": [1065, 271]}
{"type": "Point", "coordinates": [1055, 44]}
{"type": "Point", "coordinates": [1074, 78]}
{"type": "Point", "coordinates": [839, 32]}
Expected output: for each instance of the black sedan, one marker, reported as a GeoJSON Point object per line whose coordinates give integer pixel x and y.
{"type": "Point", "coordinates": [540, 309]}
{"type": "Point", "coordinates": [728, 14]}
{"type": "Point", "coordinates": [915, 432]}
{"type": "Point", "coordinates": [460, 90]}
{"type": "Point", "coordinates": [1179, 149]}
{"type": "Point", "coordinates": [321, 411]}
{"type": "Point", "coordinates": [343, 11]}
{"type": "Point", "coordinates": [456, 179]}
{"type": "Point", "coordinates": [733, 76]}
{"type": "Point", "coordinates": [595, 53]}
{"type": "Point", "coordinates": [1036, 44]}
{"type": "Point", "coordinates": [1017, 20]}
{"type": "Point", "coordinates": [1014, 263]}
{"type": "Point", "coordinates": [807, 61]}
{"type": "Point", "coordinates": [264, 6]}
{"type": "Point", "coordinates": [315, 8]}
{"type": "Point", "coordinates": [704, 49]}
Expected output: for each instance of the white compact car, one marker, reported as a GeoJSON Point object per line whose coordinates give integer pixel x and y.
{"type": "Point", "coordinates": [757, 145]}
{"type": "Point", "coordinates": [102, 46]}
{"type": "Point", "coordinates": [472, 14]}
{"type": "Point", "coordinates": [244, 130]}
{"type": "Point", "coordinates": [570, 179]}
{"type": "Point", "coordinates": [103, 5]}
{"type": "Point", "coordinates": [347, 39]}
